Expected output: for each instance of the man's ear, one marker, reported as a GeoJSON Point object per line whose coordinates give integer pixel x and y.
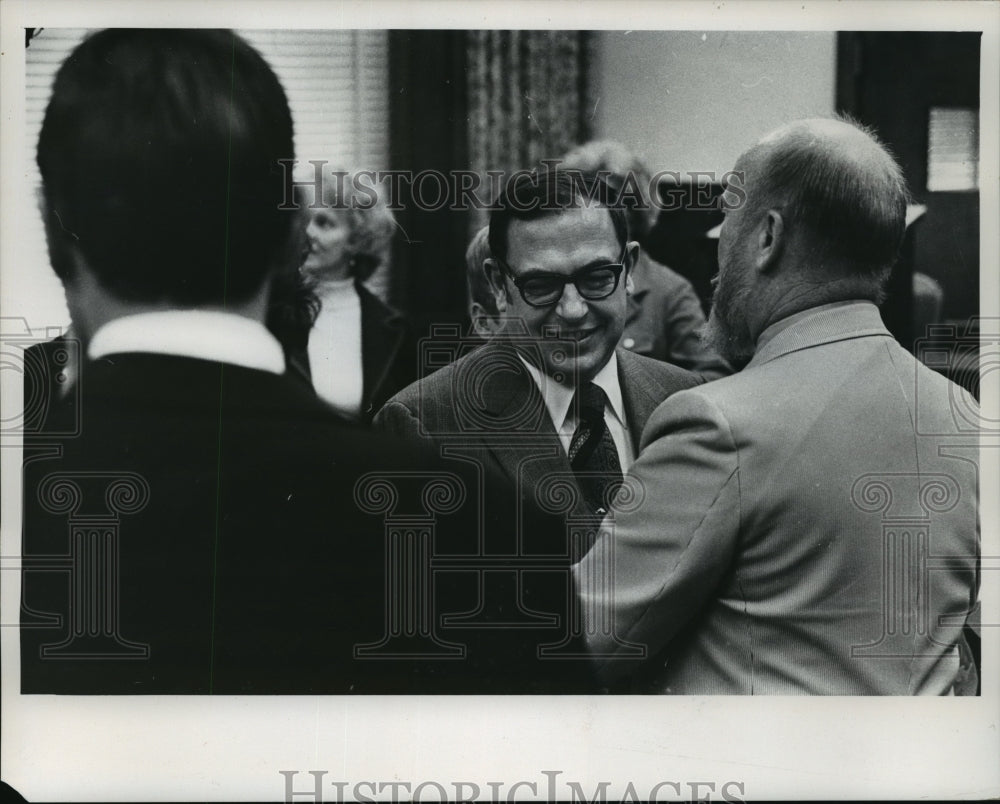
{"type": "Point", "coordinates": [631, 258]}
{"type": "Point", "coordinates": [494, 275]}
{"type": "Point", "coordinates": [770, 241]}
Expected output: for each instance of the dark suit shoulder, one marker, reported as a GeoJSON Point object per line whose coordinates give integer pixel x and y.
{"type": "Point", "coordinates": [486, 391]}
{"type": "Point", "coordinates": [672, 378]}
{"type": "Point", "coordinates": [454, 379]}
{"type": "Point", "coordinates": [426, 403]}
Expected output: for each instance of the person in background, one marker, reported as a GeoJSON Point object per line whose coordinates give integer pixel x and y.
{"type": "Point", "coordinates": [354, 349]}
{"type": "Point", "coordinates": [811, 523]}
{"type": "Point", "coordinates": [483, 313]}
{"type": "Point", "coordinates": [665, 316]}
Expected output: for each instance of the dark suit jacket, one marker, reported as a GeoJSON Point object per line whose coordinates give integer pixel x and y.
{"type": "Point", "coordinates": [214, 514]}
{"type": "Point", "coordinates": [388, 353]}
{"type": "Point", "coordinates": [486, 407]}
{"type": "Point", "coordinates": [488, 400]}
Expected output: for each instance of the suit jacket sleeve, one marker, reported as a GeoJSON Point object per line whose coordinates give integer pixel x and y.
{"type": "Point", "coordinates": [397, 419]}
{"type": "Point", "coordinates": [667, 555]}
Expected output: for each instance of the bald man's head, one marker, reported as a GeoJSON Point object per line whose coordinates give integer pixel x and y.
{"type": "Point", "coordinates": [837, 184]}
{"type": "Point", "coordinates": [822, 217]}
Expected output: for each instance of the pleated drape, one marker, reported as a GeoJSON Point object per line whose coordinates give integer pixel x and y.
{"type": "Point", "coordinates": [530, 99]}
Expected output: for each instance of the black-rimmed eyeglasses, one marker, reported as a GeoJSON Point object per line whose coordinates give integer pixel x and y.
{"type": "Point", "coordinates": [544, 288]}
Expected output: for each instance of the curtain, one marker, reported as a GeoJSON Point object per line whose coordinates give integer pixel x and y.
{"type": "Point", "coordinates": [530, 98]}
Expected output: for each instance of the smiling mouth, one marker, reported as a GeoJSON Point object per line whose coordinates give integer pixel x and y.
{"type": "Point", "coordinates": [580, 334]}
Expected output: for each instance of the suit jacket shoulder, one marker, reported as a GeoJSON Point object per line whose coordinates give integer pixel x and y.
{"type": "Point", "coordinates": [657, 376]}
{"type": "Point", "coordinates": [646, 383]}
{"type": "Point", "coordinates": [486, 392]}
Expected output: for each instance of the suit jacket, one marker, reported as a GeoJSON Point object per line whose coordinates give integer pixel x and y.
{"type": "Point", "coordinates": [388, 353]}
{"type": "Point", "coordinates": [665, 318]}
{"type": "Point", "coordinates": [812, 526]}
{"type": "Point", "coordinates": [208, 530]}
{"type": "Point", "coordinates": [486, 400]}
{"type": "Point", "coordinates": [486, 408]}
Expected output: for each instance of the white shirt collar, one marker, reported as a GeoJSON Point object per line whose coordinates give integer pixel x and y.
{"type": "Point", "coordinates": [559, 398]}
{"type": "Point", "coordinates": [202, 334]}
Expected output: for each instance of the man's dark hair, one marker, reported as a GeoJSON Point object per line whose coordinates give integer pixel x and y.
{"type": "Point", "coordinates": [539, 194]}
{"type": "Point", "coordinates": [850, 194]}
{"type": "Point", "coordinates": [159, 160]}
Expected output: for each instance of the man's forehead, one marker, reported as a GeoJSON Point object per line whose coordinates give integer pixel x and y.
{"type": "Point", "coordinates": [564, 231]}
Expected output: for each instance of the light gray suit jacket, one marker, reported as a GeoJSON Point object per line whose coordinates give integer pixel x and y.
{"type": "Point", "coordinates": [809, 524]}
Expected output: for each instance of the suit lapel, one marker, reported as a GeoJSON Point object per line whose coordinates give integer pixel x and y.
{"type": "Point", "coordinates": [526, 445]}
{"type": "Point", "coordinates": [641, 393]}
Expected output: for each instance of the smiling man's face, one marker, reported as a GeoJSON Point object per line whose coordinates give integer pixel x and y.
{"type": "Point", "coordinates": [564, 243]}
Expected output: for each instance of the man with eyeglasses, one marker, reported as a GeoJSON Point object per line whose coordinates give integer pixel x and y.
{"type": "Point", "coordinates": [551, 397]}
{"type": "Point", "coordinates": [552, 405]}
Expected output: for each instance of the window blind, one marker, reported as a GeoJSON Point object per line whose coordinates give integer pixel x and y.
{"type": "Point", "coordinates": [337, 87]}
{"type": "Point", "coordinates": [952, 149]}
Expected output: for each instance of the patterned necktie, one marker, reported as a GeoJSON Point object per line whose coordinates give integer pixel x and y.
{"type": "Point", "coordinates": [592, 452]}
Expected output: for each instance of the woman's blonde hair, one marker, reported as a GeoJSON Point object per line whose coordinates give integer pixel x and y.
{"type": "Point", "coordinates": [361, 199]}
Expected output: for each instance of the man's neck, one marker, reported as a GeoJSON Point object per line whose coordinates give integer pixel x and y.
{"type": "Point", "coordinates": [91, 306]}
{"type": "Point", "coordinates": [804, 293]}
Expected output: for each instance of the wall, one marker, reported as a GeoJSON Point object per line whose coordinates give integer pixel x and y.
{"type": "Point", "coordinates": [692, 100]}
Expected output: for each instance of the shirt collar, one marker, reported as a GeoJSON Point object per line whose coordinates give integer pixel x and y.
{"type": "Point", "coordinates": [202, 334]}
{"type": "Point", "coordinates": [559, 398]}
{"type": "Point", "coordinates": [781, 325]}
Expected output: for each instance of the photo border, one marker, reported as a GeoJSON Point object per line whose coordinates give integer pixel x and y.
{"type": "Point", "coordinates": [234, 748]}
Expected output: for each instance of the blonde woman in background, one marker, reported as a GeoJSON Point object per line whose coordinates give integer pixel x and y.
{"type": "Point", "coordinates": [354, 349]}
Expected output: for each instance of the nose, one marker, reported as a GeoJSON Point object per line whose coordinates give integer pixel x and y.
{"type": "Point", "coordinates": [572, 306]}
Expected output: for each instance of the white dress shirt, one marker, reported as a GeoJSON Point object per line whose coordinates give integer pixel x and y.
{"type": "Point", "coordinates": [559, 403]}
{"type": "Point", "coordinates": [203, 334]}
